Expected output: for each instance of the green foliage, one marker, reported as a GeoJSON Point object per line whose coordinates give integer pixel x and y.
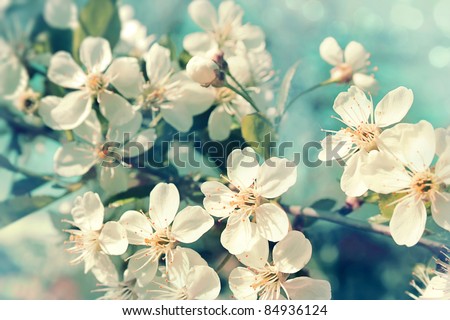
{"type": "Point", "coordinates": [286, 87]}
{"type": "Point", "coordinates": [385, 204]}
{"type": "Point", "coordinates": [258, 132]}
{"type": "Point", "coordinates": [325, 204]}
{"type": "Point", "coordinates": [99, 18]}
{"type": "Point", "coordinates": [184, 59]}
{"type": "Point", "coordinates": [16, 208]}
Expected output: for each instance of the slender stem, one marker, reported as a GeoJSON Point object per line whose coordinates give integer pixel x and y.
{"type": "Point", "coordinates": [224, 262]}
{"type": "Point", "coordinates": [433, 246]}
{"type": "Point", "coordinates": [243, 95]}
{"type": "Point", "coordinates": [155, 120]}
{"type": "Point", "coordinates": [314, 87]}
{"type": "Point", "coordinates": [239, 85]}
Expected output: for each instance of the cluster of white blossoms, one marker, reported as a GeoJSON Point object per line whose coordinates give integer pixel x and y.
{"type": "Point", "coordinates": [112, 100]}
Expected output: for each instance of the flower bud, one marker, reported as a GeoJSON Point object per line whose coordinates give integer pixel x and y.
{"type": "Point", "coordinates": [202, 70]}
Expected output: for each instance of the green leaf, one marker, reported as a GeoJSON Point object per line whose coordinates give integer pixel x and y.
{"type": "Point", "coordinates": [184, 59]}
{"type": "Point", "coordinates": [385, 204]}
{"type": "Point", "coordinates": [324, 204]}
{"type": "Point", "coordinates": [286, 87]}
{"type": "Point", "coordinates": [259, 134]}
{"type": "Point", "coordinates": [99, 18]}
{"type": "Point", "coordinates": [16, 208]}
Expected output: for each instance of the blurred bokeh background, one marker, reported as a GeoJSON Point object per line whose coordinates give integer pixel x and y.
{"type": "Point", "coordinates": [409, 41]}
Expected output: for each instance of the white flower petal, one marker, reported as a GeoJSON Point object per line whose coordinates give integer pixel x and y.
{"type": "Point", "coordinates": [191, 223]}
{"type": "Point", "coordinates": [331, 52]}
{"type": "Point", "coordinates": [104, 270]}
{"type": "Point", "coordinates": [140, 143]}
{"type": "Point", "coordinates": [204, 14]}
{"type": "Point", "coordinates": [74, 159]}
{"type": "Point", "coordinates": [382, 173]}
{"type": "Point", "coordinates": [241, 281]}
{"type": "Point", "coordinates": [271, 221]}
{"type": "Point", "coordinates": [408, 222]}
{"type": "Point", "coordinates": [177, 116]}
{"type": "Point", "coordinates": [113, 180]}
{"type": "Point", "coordinates": [393, 107]}
{"type": "Point", "coordinates": [304, 288]}
{"type": "Point", "coordinates": [88, 211]}
{"type": "Point", "coordinates": [113, 238]}
{"type": "Point", "coordinates": [292, 253]}
{"type": "Point", "coordinates": [237, 232]}
{"type": "Point", "coordinates": [353, 106]}
{"type": "Point", "coordinates": [257, 251]}
{"type": "Point", "coordinates": [242, 167]}
{"type": "Point", "coordinates": [440, 210]}
{"type": "Point", "coordinates": [442, 168]}
{"type": "Point", "coordinates": [138, 227]}
{"type": "Point", "coordinates": [16, 80]}
{"type": "Point", "coordinates": [164, 203]}
{"type": "Point", "coordinates": [442, 139]}
{"type": "Point", "coordinates": [95, 54]}
{"type": "Point", "coordinates": [143, 269]}
{"type": "Point", "coordinates": [202, 283]}
{"type": "Point", "coordinates": [46, 106]}
{"type": "Point", "coordinates": [366, 82]}
{"type": "Point", "coordinates": [196, 99]}
{"type": "Point", "coordinates": [219, 124]}
{"type": "Point", "coordinates": [412, 144]}
{"type": "Point", "coordinates": [60, 14]}
{"type": "Point", "coordinates": [115, 108]}
{"type": "Point", "coordinates": [219, 199]}
{"type": "Point", "coordinates": [230, 13]}
{"type": "Point", "coordinates": [178, 267]}
{"type": "Point", "coordinates": [356, 56]}
{"type": "Point", "coordinates": [126, 77]}
{"type": "Point", "coordinates": [352, 182]}
{"type": "Point", "coordinates": [125, 132]}
{"type": "Point", "coordinates": [158, 64]}
{"type": "Point", "coordinates": [72, 111]}
{"type": "Point", "coordinates": [198, 43]}
{"type": "Point", "coordinates": [275, 177]}
{"type": "Point", "coordinates": [336, 146]}
{"type": "Point", "coordinates": [90, 130]}
{"type": "Point", "coordinates": [252, 36]}
{"type": "Point", "coordinates": [64, 71]}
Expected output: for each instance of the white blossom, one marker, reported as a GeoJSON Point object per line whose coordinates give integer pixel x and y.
{"type": "Point", "coordinates": [92, 239]}
{"type": "Point", "coordinates": [101, 71]}
{"type": "Point", "coordinates": [350, 65]}
{"type": "Point", "coordinates": [163, 229]}
{"type": "Point", "coordinates": [202, 70]}
{"type": "Point", "coordinates": [402, 166]}
{"type": "Point", "coordinates": [363, 126]}
{"type": "Point", "coordinates": [61, 14]}
{"type": "Point", "coordinates": [246, 204]}
{"type": "Point", "coordinates": [223, 29]}
{"type": "Point", "coordinates": [270, 281]}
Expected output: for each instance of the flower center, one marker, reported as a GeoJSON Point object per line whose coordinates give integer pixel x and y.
{"type": "Point", "coordinates": [84, 242]}
{"type": "Point", "coordinates": [342, 73]}
{"type": "Point", "coordinates": [247, 200]}
{"type": "Point", "coordinates": [224, 95]}
{"type": "Point", "coordinates": [268, 282]}
{"type": "Point", "coordinates": [96, 83]}
{"type": "Point", "coordinates": [424, 184]}
{"type": "Point", "coordinates": [28, 101]}
{"type": "Point", "coordinates": [161, 242]}
{"type": "Point", "coordinates": [364, 136]}
{"type": "Point", "coordinates": [152, 96]}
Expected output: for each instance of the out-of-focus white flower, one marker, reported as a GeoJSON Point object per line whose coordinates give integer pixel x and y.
{"type": "Point", "coordinates": [202, 70]}
{"type": "Point", "coordinates": [223, 29]}
{"type": "Point", "coordinates": [162, 230]}
{"type": "Point", "coordinates": [75, 107]}
{"type": "Point", "coordinates": [269, 281]}
{"type": "Point", "coordinates": [364, 125]}
{"type": "Point", "coordinates": [189, 279]}
{"type": "Point", "coordinates": [171, 93]}
{"type": "Point", "coordinates": [350, 65]}
{"type": "Point", "coordinates": [61, 14]}
{"type": "Point", "coordinates": [249, 205]}
{"type": "Point", "coordinates": [14, 79]}
{"type": "Point", "coordinates": [430, 286]}
{"type": "Point", "coordinates": [91, 148]}
{"type": "Point", "coordinates": [442, 140]}
{"type": "Point", "coordinates": [134, 40]}
{"type": "Point", "coordinates": [93, 240]}
{"type": "Point", "coordinates": [403, 166]}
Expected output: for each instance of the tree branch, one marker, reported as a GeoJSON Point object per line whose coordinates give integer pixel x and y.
{"type": "Point", "coordinates": [434, 246]}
